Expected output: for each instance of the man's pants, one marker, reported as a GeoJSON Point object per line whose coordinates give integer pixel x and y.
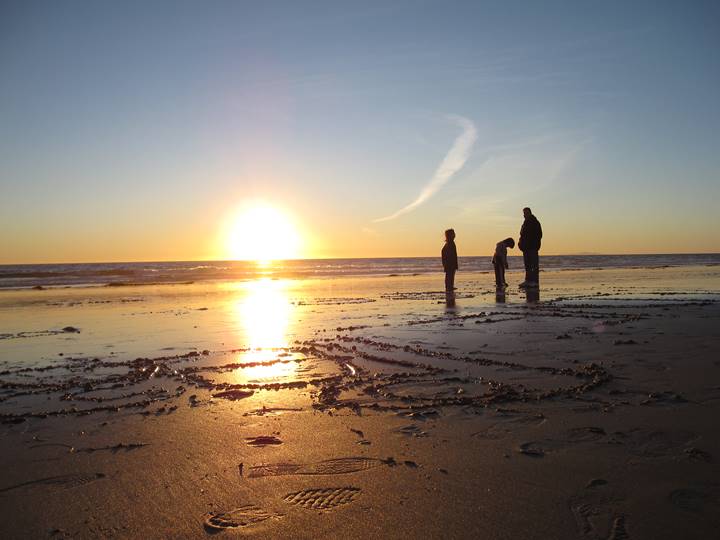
{"type": "Point", "coordinates": [532, 266]}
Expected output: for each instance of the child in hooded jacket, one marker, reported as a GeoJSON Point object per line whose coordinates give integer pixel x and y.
{"type": "Point", "coordinates": [500, 261]}
{"type": "Point", "coordinates": [449, 260]}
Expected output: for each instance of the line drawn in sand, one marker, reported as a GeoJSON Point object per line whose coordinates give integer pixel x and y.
{"type": "Point", "coordinates": [64, 481]}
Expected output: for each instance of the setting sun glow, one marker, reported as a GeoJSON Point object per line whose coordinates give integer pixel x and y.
{"type": "Point", "coordinates": [263, 233]}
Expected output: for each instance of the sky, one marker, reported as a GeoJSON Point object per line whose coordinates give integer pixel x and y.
{"type": "Point", "coordinates": [139, 130]}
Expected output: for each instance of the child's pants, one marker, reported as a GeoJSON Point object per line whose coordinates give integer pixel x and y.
{"type": "Point", "coordinates": [450, 280]}
{"type": "Point", "coordinates": [499, 274]}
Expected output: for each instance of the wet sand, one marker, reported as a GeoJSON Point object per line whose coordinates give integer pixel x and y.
{"type": "Point", "coordinates": [365, 407]}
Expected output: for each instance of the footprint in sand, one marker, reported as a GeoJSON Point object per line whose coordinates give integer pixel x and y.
{"type": "Point", "coordinates": [324, 498]}
{"type": "Point", "coordinates": [664, 398]}
{"type": "Point", "coordinates": [411, 430]}
{"type": "Point", "coordinates": [328, 466]}
{"type": "Point", "coordinates": [532, 449]}
{"type": "Point", "coordinates": [234, 395]}
{"type": "Point", "coordinates": [263, 440]}
{"type": "Point", "coordinates": [699, 499]}
{"type": "Point", "coordinates": [619, 531]}
{"type": "Point", "coordinates": [598, 514]}
{"type": "Point", "coordinates": [65, 481]}
{"type": "Point", "coordinates": [244, 516]}
{"type": "Point", "coordinates": [508, 422]}
{"type": "Point", "coordinates": [656, 443]}
{"type": "Point", "coordinates": [563, 440]}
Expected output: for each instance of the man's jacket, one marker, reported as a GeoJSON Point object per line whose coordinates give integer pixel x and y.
{"type": "Point", "coordinates": [530, 235]}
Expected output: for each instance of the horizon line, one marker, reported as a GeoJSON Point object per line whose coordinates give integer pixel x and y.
{"type": "Point", "coordinates": [519, 254]}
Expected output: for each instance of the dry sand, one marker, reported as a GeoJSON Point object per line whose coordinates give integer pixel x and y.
{"type": "Point", "coordinates": [352, 408]}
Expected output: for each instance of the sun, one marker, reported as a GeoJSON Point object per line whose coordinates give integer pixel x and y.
{"type": "Point", "coordinates": [261, 232]}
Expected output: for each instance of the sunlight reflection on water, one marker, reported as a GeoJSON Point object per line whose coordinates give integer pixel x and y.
{"type": "Point", "coordinates": [263, 315]}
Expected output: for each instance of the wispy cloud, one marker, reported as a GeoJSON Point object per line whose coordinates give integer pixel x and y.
{"type": "Point", "coordinates": [511, 174]}
{"type": "Point", "coordinates": [453, 162]}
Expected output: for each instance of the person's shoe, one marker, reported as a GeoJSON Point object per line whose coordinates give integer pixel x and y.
{"type": "Point", "coordinates": [523, 284]}
{"type": "Point", "coordinates": [532, 284]}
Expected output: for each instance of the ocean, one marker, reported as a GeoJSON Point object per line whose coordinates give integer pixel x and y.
{"type": "Point", "coordinates": [119, 274]}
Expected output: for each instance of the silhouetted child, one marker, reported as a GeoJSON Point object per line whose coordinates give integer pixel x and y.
{"type": "Point", "coordinates": [449, 260]}
{"type": "Point", "coordinates": [500, 261]}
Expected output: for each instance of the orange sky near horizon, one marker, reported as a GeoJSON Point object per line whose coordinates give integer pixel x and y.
{"type": "Point", "coordinates": [203, 236]}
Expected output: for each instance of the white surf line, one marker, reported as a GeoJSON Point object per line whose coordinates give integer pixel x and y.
{"type": "Point", "coordinates": [453, 162]}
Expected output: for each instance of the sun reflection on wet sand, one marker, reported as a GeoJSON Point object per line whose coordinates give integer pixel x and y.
{"type": "Point", "coordinates": [263, 315]}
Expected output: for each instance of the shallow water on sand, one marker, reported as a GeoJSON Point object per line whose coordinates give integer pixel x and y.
{"type": "Point", "coordinates": [124, 274]}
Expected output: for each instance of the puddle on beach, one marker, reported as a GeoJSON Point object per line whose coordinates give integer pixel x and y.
{"type": "Point", "coordinates": [132, 348]}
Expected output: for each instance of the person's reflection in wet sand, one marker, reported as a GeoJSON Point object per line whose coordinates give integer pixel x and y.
{"type": "Point", "coordinates": [500, 296]}
{"type": "Point", "coordinates": [450, 299]}
{"type": "Point", "coordinates": [532, 295]}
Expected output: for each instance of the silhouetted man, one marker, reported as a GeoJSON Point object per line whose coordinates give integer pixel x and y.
{"type": "Point", "coordinates": [529, 244]}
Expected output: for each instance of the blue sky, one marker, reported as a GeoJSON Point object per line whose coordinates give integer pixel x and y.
{"type": "Point", "coordinates": [130, 130]}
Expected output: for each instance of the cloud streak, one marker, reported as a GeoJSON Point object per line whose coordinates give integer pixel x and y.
{"type": "Point", "coordinates": [453, 162]}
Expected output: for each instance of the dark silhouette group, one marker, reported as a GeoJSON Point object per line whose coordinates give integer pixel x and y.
{"type": "Point", "coordinates": [529, 243]}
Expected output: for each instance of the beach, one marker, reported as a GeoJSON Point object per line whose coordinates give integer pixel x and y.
{"type": "Point", "coordinates": [365, 406]}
